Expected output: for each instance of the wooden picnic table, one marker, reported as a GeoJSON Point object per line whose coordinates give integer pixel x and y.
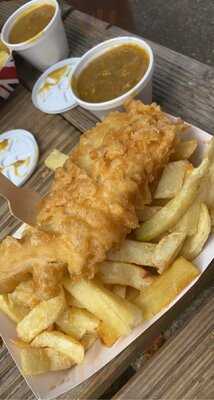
{"type": "Point", "coordinates": [183, 367]}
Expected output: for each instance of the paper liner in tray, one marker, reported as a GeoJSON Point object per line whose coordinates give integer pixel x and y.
{"type": "Point", "coordinates": [53, 384]}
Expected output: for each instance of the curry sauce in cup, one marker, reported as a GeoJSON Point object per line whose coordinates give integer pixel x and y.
{"type": "Point", "coordinates": [113, 72]}
{"type": "Point", "coordinates": [37, 33]}
{"type": "Point", "coordinates": [31, 22]}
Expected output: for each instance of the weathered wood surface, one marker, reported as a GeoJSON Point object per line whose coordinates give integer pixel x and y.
{"type": "Point", "coordinates": [183, 86]}
{"type": "Point", "coordinates": [7, 8]}
{"type": "Point", "coordinates": [183, 368]}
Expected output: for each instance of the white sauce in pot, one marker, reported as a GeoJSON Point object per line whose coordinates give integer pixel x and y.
{"type": "Point", "coordinates": [18, 155]}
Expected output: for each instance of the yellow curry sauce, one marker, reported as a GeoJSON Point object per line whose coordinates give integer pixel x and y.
{"type": "Point", "coordinates": [31, 22]}
{"type": "Point", "coordinates": [18, 164]}
{"type": "Point", "coordinates": [111, 74]}
{"type": "Point", "coordinates": [4, 144]}
{"type": "Point", "coordinates": [55, 77]}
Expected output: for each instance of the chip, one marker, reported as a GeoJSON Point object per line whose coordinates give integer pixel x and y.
{"type": "Point", "coordinates": [40, 318]}
{"type": "Point", "coordinates": [121, 273]}
{"type": "Point", "coordinates": [167, 250]}
{"type": "Point", "coordinates": [133, 252]}
{"type": "Point", "coordinates": [62, 343]}
{"type": "Point", "coordinates": [77, 322]}
{"type": "Point", "coordinates": [194, 244]}
{"type": "Point", "coordinates": [56, 159]}
{"type": "Point", "coordinates": [166, 287]}
{"type": "Point", "coordinates": [172, 179]}
{"type": "Point", "coordinates": [170, 214]}
{"type": "Point", "coordinates": [15, 312]}
{"type": "Point", "coordinates": [116, 313]}
{"type": "Point", "coordinates": [185, 149]}
{"type": "Point", "coordinates": [34, 361]}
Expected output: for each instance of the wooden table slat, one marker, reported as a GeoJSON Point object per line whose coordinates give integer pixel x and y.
{"type": "Point", "coordinates": [7, 8]}
{"type": "Point", "coordinates": [83, 32]}
{"type": "Point", "coordinates": [80, 118]}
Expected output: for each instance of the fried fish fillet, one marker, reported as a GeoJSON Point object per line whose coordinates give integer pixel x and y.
{"type": "Point", "coordinates": [92, 204]}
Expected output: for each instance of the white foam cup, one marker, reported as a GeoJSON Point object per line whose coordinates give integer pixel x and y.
{"type": "Point", "coordinates": [142, 90]}
{"type": "Point", "coordinates": [46, 48]}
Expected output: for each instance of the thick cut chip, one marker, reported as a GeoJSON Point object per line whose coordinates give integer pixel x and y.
{"type": "Point", "coordinates": [184, 149]}
{"type": "Point", "coordinates": [58, 360]}
{"type": "Point", "coordinates": [172, 179]}
{"type": "Point", "coordinates": [107, 335]}
{"type": "Point", "coordinates": [147, 212]}
{"type": "Point", "coordinates": [34, 361]}
{"type": "Point", "coordinates": [77, 322]}
{"type": "Point", "coordinates": [134, 252]}
{"type": "Point", "coordinates": [40, 318]}
{"type": "Point", "coordinates": [136, 313]}
{"type": "Point", "coordinates": [170, 214]}
{"type": "Point", "coordinates": [120, 290]}
{"type": "Point", "coordinates": [120, 273]}
{"type": "Point", "coordinates": [105, 305]}
{"type": "Point", "coordinates": [207, 187]}
{"type": "Point", "coordinates": [110, 336]}
{"type": "Point", "coordinates": [88, 340]}
{"type": "Point", "coordinates": [188, 224]}
{"type": "Point", "coordinates": [211, 212]}
{"type": "Point", "coordinates": [71, 301]}
{"type": "Point", "coordinates": [166, 287]}
{"type": "Point", "coordinates": [194, 244]}
{"type": "Point", "coordinates": [13, 311]}
{"type": "Point", "coordinates": [4, 56]}
{"type": "Point", "coordinates": [55, 160]}
{"type": "Point", "coordinates": [210, 192]}
{"type": "Point", "coordinates": [167, 250]}
{"type": "Point", "coordinates": [60, 342]}
{"type": "Point", "coordinates": [131, 293]}
{"type": "Point", "coordinates": [24, 294]}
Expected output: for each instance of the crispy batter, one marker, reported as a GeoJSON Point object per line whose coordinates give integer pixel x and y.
{"type": "Point", "coordinates": [92, 204]}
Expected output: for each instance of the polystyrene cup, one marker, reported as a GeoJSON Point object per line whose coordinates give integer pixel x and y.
{"type": "Point", "coordinates": [48, 47]}
{"type": "Point", "coordinates": [142, 90]}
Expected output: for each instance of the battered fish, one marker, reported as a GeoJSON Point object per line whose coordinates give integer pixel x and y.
{"type": "Point", "coordinates": [93, 201]}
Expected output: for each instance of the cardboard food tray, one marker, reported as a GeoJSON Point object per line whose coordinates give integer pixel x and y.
{"type": "Point", "coordinates": [51, 385]}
